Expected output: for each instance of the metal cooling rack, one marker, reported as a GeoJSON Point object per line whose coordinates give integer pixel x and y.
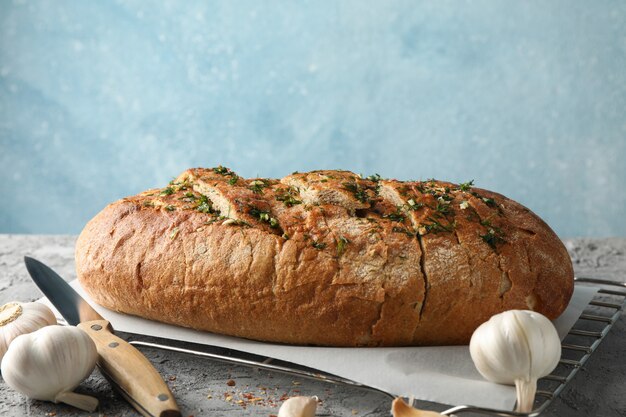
{"type": "Point", "coordinates": [580, 343]}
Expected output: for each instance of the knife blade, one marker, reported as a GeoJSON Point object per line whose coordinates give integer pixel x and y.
{"type": "Point", "coordinates": [122, 364]}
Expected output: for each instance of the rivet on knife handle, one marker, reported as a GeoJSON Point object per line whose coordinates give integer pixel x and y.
{"type": "Point", "coordinates": [138, 381]}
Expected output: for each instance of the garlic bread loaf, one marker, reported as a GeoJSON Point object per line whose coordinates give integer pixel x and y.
{"type": "Point", "coordinates": [323, 258]}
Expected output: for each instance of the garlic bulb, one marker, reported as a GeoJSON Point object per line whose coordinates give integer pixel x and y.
{"type": "Point", "coordinates": [401, 409]}
{"type": "Point", "coordinates": [21, 318]}
{"type": "Point", "coordinates": [49, 363]}
{"type": "Point", "coordinates": [298, 407]}
{"type": "Point", "coordinates": [516, 347]}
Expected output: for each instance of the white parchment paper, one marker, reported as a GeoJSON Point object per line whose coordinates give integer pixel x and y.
{"type": "Point", "coordinates": [443, 374]}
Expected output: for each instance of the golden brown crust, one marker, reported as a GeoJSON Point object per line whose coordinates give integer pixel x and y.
{"type": "Point", "coordinates": [323, 258]}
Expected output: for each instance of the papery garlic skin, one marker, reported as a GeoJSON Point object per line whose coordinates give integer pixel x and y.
{"type": "Point", "coordinates": [516, 347]}
{"type": "Point", "coordinates": [298, 407]}
{"type": "Point", "coordinates": [49, 363]}
{"type": "Point", "coordinates": [21, 318]}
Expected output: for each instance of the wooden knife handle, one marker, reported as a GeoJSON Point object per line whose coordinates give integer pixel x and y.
{"type": "Point", "coordinates": [135, 377]}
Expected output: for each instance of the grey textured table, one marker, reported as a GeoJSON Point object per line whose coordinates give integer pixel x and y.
{"type": "Point", "coordinates": [202, 386]}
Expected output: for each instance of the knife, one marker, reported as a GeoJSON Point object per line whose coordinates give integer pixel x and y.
{"type": "Point", "coordinates": [124, 366]}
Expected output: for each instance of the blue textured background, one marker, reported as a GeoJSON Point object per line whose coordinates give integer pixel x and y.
{"type": "Point", "coordinates": [100, 100]}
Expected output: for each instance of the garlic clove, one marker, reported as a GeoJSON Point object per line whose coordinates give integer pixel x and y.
{"type": "Point", "coordinates": [49, 363]}
{"type": "Point", "coordinates": [298, 407]}
{"type": "Point", "coordinates": [516, 347]}
{"type": "Point", "coordinates": [21, 318]}
{"type": "Point", "coordinates": [401, 409]}
{"type": "Point", "coordinates": [84, 402]}
{"type": "Point", "coordinates": [541, 336]}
